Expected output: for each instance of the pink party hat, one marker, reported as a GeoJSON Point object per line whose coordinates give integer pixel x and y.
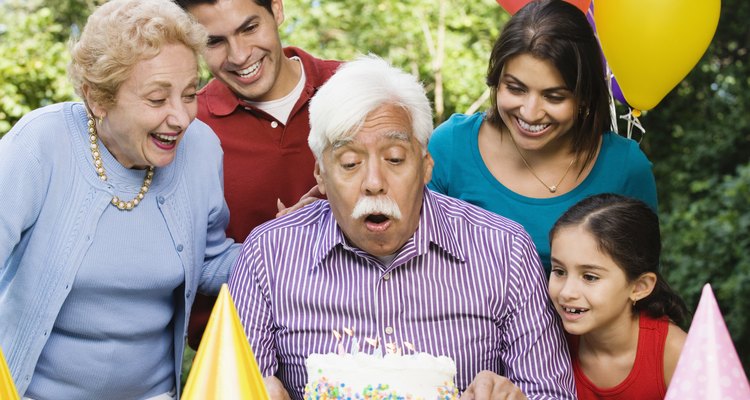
{"type": "Point", "coordinates": [709, 367]}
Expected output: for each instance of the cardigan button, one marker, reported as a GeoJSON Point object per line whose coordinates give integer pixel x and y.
{"type": "Point", "coordinates": [274, 124]}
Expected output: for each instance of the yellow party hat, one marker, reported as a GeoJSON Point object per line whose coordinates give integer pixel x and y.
{"type": "Point", "coordinates": [7, 388]}
{"type": "Point", "coordinates": [224, 367]}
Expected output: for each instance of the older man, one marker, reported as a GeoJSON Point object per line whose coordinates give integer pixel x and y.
{"type": "Point", "coordinates": [393, 260]}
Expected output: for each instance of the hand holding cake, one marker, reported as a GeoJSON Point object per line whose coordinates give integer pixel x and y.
{"type": "Point", "coordinates": [489, 385]}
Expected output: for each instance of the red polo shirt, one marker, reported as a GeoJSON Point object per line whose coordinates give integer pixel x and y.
{"type": "Point", "coordinates": [264, 160]}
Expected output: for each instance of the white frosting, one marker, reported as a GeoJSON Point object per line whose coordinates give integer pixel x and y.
{"type": "Point", "coordinates": [419, 375]}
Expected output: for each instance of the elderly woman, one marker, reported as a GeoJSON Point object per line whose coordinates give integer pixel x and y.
{"type": "Point", "coordinates": [112, 214]}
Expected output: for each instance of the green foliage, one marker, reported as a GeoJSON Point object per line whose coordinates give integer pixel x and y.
{"type": "Point", "coordinates": [34, 62]}
{"type": "Point", "coordinates": [708, 242]}
{"type": "Point", "coordinates": [448, 50]}
{"type": "Point", "coordinates": [699, 141]}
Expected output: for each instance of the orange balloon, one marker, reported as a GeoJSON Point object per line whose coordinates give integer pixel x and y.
{"type": "Point", "coordinates": [512, 6]}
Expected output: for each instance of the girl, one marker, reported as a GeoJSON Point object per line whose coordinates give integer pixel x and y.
{"type": "Point", "coordinates": [620, 313]}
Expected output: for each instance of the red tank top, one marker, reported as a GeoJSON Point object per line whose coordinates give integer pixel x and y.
{"type": "Point", "coordinates": [646, 379]}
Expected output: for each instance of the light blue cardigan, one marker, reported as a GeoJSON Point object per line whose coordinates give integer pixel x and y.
{"type": "Point", "coordinates": [51, 204]}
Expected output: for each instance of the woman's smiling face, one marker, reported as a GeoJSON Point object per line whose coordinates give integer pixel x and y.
{"type": "Point", "coordinates": [535, 104]}
{"type": "Point", "coordinates": [152, 110]}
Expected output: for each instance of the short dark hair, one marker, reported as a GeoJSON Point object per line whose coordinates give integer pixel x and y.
{"type": "Point", "coordinates": [186, 4]}
{"type": "Point", "coordinates": [557, 31]}
{"type": "Point", "coordinates": [627, 230]}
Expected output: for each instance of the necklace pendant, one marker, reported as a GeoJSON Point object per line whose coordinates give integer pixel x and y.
{"type": "Point", "coordinates": [552, 189]}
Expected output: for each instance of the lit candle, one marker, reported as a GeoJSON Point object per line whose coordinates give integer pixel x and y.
{"type": "Point", "coordinates": [339, 344]}
{"type": "Point", "coordinates": [355, 345]}
{"type": "Point", "coordinates": [409, 346]}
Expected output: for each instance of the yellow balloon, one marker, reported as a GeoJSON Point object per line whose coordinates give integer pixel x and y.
{"type": "Point", "coordinates": [651, 45]}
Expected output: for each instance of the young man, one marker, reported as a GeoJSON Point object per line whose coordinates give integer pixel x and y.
{"type": "Point", "coordinates": [395, 260]}
{"type": "Point", "coordinates": [257, 104]}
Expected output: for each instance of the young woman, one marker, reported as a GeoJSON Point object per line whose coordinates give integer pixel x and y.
{"type": "Point", "coordinates": [619, 312]}
{"type": "Point", "coordinates": [544, 144]}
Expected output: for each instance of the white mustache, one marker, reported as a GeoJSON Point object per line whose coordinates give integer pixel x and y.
{"type": "Point", "coordinates": [376, 205]}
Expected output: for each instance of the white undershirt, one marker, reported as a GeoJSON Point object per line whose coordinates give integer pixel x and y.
{"type": "Point", "coordinates": [281, 108]}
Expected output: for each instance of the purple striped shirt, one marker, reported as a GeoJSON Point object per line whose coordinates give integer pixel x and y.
{"type": "Point", "coordinates": [468, 285]}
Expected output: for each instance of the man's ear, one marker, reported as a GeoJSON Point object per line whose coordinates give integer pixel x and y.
{"type": "Point", "coordinates": [427, 164]}
{"type": "Point", "coordinates": [319, 178]}
{"type": "Point", "coordinates": [278, 11]}
{"type": "Point", "coordinates": [643, 286]}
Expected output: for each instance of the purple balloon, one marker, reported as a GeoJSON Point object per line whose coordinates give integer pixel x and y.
{"type": "Point", "coordinates": [590, 16]}
{"type": "Point", "coordinates": [617, 92]}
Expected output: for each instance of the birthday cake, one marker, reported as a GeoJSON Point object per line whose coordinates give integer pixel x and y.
{"type": "Point", "coordinates": [375, 377]}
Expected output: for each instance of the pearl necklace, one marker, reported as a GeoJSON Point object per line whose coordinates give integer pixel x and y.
{"type": "Point", "coordinates": [553, 188]}
{"type": "Point", "coordinates": [116, 201]}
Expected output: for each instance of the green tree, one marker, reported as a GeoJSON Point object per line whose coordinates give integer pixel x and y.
{"type": "Point", "coordinates": [699, 141]}
{"type": "Point", "coordinates": [445, 43]}
{"type": "Point", "coordinates": [34, 60]}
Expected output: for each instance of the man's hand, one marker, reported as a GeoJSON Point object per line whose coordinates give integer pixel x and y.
{"type": "Point", "coordinates": [275, 389]}
{"type": "Point", "coordinates": [307, 198]}
{"type": "Point", "coordinates": [488, 385]}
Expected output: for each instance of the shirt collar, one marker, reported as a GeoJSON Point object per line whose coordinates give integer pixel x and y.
{"type": "Point", "coordinates": [221, 101]}
{"type": "Point", "coordinates": [434, 228]}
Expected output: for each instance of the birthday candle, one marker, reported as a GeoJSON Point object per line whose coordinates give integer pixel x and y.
{"type": "Point", "coordinates": [339, 344]}
{"type": "Point", "coordinates": [409, 346]}
{"type": "Point", "coordinates": [355, 345]}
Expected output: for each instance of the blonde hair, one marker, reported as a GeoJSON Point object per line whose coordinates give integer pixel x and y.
{"type": "Point", "coordinates": [121, 33]}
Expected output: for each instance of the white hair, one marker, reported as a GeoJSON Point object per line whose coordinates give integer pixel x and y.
{"type": "Point", "coordinates": [358, 87]}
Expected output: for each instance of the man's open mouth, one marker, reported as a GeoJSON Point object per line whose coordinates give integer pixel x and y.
{"type": "Point", "coordinates": [376, 218]}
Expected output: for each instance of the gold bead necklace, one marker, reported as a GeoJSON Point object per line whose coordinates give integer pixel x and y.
{"type": "Point", "coordinates": [553, 188]}
{"type": "Point", "coordinates": [99, 166]}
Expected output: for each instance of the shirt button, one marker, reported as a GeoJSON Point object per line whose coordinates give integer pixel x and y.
{"type": "Point", "coordinates": [161, 199]}
{"type": "Point", "coordinates": [188, 294]}
{"type": "Point", "coordinates": [179, 247]}
{"type": "Point", "coordinates": [387, 276]}
{"type": "Point", "coordinates": [274, 124]}
{"type": "Point", "coordinates": [389, 330]}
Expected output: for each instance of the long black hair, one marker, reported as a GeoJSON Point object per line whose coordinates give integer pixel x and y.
{"type": "Point", "coordinates": [627, 230]}
{"type": "Point", "coordinates": [558, 32]}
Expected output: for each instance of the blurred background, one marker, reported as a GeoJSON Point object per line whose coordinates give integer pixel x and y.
{"type": "Point", "coordinates": [698, 136]}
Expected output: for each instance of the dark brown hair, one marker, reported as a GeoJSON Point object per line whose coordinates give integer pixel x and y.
{"type": "Point", "coordinates": [557, 31]}
{"type": "Point", "coordinates": [186, 4]}
{"type": "Point", "coordinates": [627, 230]}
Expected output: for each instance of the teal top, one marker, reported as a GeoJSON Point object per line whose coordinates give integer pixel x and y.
{"type": "Point", "coordinates": [621, 167]}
